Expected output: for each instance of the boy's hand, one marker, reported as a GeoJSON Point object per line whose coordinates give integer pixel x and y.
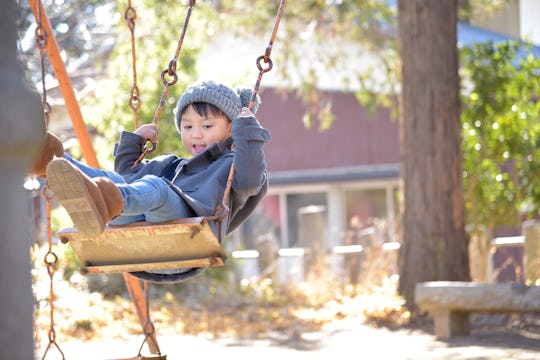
{"type": "Point", "coordinates": [149, 132]}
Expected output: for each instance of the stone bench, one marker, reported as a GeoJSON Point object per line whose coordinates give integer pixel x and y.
{"type": "Point", "coordinates": [451, 302]}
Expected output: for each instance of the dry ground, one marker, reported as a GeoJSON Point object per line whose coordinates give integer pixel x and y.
{"type": "Point", "coordinates": [94, 318]}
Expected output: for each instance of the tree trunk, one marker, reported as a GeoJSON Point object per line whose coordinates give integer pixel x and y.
{"type": "Point", "coordinates": [434, 245]}
{"type": "Point", "coordinates": [22, 131]}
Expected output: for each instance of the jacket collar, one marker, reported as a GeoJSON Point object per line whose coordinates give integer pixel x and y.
{"type": "Point", "coordinates": [209, 155]}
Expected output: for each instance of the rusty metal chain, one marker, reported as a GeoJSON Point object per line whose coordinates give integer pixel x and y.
{"type": "Point", "coordinates": [169, 77]}
{"type": "Point", "coordinates": [41, 43]}
{"type": "Point", "coordinates": [265, 58]}
{"type": "Point", "coordinates": [171, 68]}
{"type": "Point", "coordinates": [130, 15]}
{"type": "Point", "coordinates": [50, 260]}
{"type": "Point", "coordinates": [149, 328]}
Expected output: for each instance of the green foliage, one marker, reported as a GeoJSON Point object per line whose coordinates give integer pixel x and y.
{"type": "Point", "coordinates": [157, 31]}
{"type": "Point", "coordinates": [467, 8]}
{"type": "Point", "coordinates": [501, 134]}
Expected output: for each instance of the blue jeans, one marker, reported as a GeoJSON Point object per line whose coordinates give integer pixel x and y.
{"type": "Point", "coordinates": [149, 198]}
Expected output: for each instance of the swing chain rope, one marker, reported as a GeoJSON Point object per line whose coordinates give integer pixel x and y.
{"type": "Point", "coordinates": [149, 328]}
{"type": "Point", "coordinates": [130, 15]}
{"type": "Point", "coordinates": [265, 58]}
{"type": "Point", "coordinates": [169, 72]}
{"type": "Point", "coordinates": [50, 260]}
{"type": "Point", "coordinates": [41, 43]}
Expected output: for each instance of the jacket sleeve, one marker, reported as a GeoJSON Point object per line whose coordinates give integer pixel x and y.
{"type": "Point", "coordinates": [249, 138]}
{"type": "Point", "coordinates": [250, 181]}
{"type": "Point", "coordinates": [127, 151]}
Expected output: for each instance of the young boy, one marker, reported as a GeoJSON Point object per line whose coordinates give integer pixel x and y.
{"type": "Point", "coordinates": [216, 127]}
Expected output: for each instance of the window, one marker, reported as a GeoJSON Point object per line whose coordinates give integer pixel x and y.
{"type": "Point", "coordinates": [371, 212]}
{"type": "Point", "coordinates": [264, 222]}
{"type": "Point", "coordinates": [297, 204]}
{"type": "Point", "coordinates": [317, 219]}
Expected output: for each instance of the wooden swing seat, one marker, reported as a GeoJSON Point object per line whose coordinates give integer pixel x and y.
{"type": "Point", "coordinates": [143, 246]}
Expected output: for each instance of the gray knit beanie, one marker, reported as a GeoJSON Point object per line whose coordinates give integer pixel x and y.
{"type": "Point", "coordinates": [223, 97]}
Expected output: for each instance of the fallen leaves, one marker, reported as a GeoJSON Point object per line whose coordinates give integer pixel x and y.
{"type": "Point", "coordinates": [253, 309]}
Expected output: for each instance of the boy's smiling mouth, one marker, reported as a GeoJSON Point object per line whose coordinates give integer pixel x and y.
{"type": "Point", "coordinates": [197, 148]}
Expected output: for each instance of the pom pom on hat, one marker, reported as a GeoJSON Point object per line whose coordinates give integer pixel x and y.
{"type": "Point", "coordinates": [245, 98]}
{"type": "Point", "coordinates": [223, 97]}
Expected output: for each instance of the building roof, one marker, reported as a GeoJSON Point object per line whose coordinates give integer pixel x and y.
{"type": "Point", "coordinates": [468, 35]}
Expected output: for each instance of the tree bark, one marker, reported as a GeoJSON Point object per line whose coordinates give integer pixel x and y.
{"type": "Point", "coordinates": [434, 245]}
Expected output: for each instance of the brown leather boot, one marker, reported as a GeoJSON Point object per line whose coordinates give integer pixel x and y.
{"type": "Point", "coordinates": [91, 203]}
{"type": "Point", "coordinates": [51, 147]}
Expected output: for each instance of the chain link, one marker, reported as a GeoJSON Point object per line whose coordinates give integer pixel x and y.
{"type": "Point", "coordinates": [50, 259]}
{"type": "Point", "coordinates": [265, 58]}
{"type": "Point", "coordinates": [130, 15]}
{"type": "Point", "coordinates": [149, 328]}
{"type": "Point", "coordinates": [170, 71]}
{"type": "Point", "coordinates": [171, 68]}
{"type": "Point", "coordinates": [41, 43]}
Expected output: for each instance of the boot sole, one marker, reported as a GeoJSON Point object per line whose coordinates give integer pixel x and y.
{"type": "Point", "coordinates": [69, 188]}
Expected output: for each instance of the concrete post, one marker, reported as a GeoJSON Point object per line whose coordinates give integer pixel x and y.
{"type": "Point", "coordinates": [531, 252]}
{"type": "Point", "coordinates": [312, 227]}
{"type": "Point", "coordinates": [21, 131]}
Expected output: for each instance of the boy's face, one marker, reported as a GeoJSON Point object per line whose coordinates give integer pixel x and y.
{"type": "Point", "coordinates": [199, 132]}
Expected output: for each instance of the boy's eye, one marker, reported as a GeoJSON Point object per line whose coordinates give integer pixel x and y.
{"type": "Point", "coordinates": [186, 127]}
{"type": "Point", "coordinates": [207, 126]}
